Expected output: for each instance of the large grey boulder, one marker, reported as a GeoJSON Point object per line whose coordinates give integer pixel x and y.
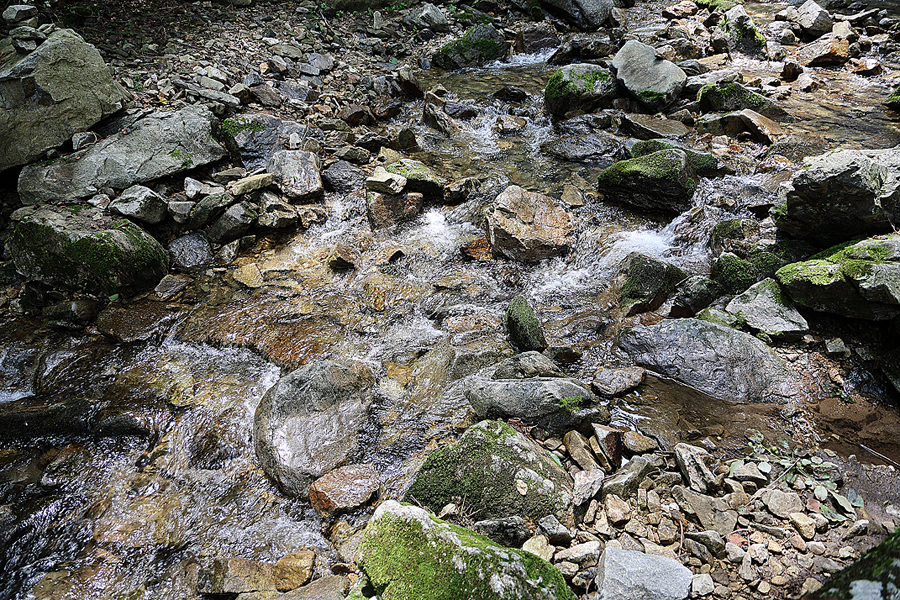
{"type": "Point", "coordinates": [261, 135]}
{"type": "Point", "coordinates": [626, 575]}
{"type": "Point", "coordinates": [840, 195]}
{"type": "Point", "coordinates": [527, 226]}
{"type": "Point", "coordinates": [742, 34]}
{"type": "Point", "coordinates": [427, 16]}
{"type": "Point", "coordinates": [601, 149]}
{"type": "Point", "coordinates": [662, 182]}
{"type": "Point", "coordinates": [860, 281]}
{"type": "Point", "coordinates": [814, 20]}
{"type": "Point", "coordinates": [307, 424]}
{"type": "Point", "coordinates": [586, 14]}
{"type": "Point", "coordinates": [297, 174]}
{"type": "Point", "coordinates": [719, 361]}
{"type": "Point", "coordinates": [485, 467]}
{"type": "Point", "coordinates": [582, 87]}
{"type": "Point", "coordinates": [160, 144]}
{"type": "Point", "coordinates": [81, 248]}
{"type": "Point", "coordinates": [457, 563]}
{"type": "Point", "coordinates": [764, 308]}
{"type": "Point", "coordinates": [61, 88]}
{"type": "Point", "coordinates": [480, 44]}
{"type": "Point", "coordinates": [652, 81]}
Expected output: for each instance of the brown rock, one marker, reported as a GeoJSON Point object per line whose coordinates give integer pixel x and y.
{"type": "Point", "coordinates": [866, 67]}
{"type": "Point", "coordinates": [763, 128]}
{"type": "Point", "coordinates": [354, 115]}
{"type": "Point", "coordinates": [294, 570]}
{"type": "Point", "coordinates": [827, 51]}
{"type": "Point", "coordinates": [610, 442]}
{"type": "Point", "coordinates": [534, 38]}
{"type": "Point", "coordinates": [342, 258]}
{"type": "Point", "coordinates": [343, 489]}
{"type": "Point", "coordinates": [637, 443]}
{"type": "Point", "coordinates": [578, 448]}
{"type": "Point", "coordinates": [265, 95]}
{"type": "Point", "coordinates": [682, 10]}
{"type": "Point", "coordinates": [235, 576]}
{"type": "Point", "coordinates": [527, 226]}
{"type": "Point", "coordinates": [477, 249]}
{"type": "Point", "coordinates": [385, 210]}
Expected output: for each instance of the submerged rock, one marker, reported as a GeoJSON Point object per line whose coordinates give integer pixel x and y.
{"type": "Point", "coordinates": [652, 81]}
{"type": "Point", "coordinates": [160, 144]}
{"type": "Point", "coordinates": [582, 87]}
{"type": "Point", "coordinates": [81, 248]}
{"type": "Point", "coordinates": [527, 226]}
{"type": "Point", "coordinates": [860, 281]}
{"type": "Point", "coordinates": [407, 554]}
{"type": "Point", "coordinates": [61, 88]}
{"type": "Point", "coordinates": [480, 44]}
{"type": "Point", "coordinates": [307, 424]}
{"type": "Point", "coordinates": [496, 469]}
{"type": "Point", "coordinates": [840, 195]}
{"type": "Point", "coordinates": [662, 182]}
{"type": "Point", "coordinates": [721, 362]}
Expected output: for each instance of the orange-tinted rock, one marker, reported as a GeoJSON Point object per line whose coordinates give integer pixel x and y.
{"type": "Point", "coordinates": [477, 249]}
{"type": "Point", "coordinates": [343, 489]}
{"type": "Point", "coordinates": [294, 570]}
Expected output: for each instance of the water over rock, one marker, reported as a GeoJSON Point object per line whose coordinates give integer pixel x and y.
{"type": "Point", "coordinates": [407, 554]}
{"type": "Point", "coordinates": [716, 360]}
{"type": "Point", "coordinates": [527, 226]}
{"type": "Point", "coordinates": [652, 81]}
{"type": "Point", "coordinates": [661, 182]}
{"type": "Point", "coordinates": [160, 144]}
{"type": "Point", "coordinates": [81, 248]}
{"type": "Point", "coordinates": [840, 195]}
{"type": "Point", "coordinates": [496, 469]}
{"type": "Point", "coordinates": [582, 87]}
{"type": "Point", "coordinates": [307, 424]}
{"type": "Point", "coordinates": [61, 88]}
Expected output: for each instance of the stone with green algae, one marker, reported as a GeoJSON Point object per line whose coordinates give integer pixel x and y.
{"type": "Point", "coordinates": [407, 554]}
{"type": "Point", "coordinates": [662, 182]}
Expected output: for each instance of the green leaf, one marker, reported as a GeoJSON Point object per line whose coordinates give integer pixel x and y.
{"type": "Point", "coordinates": [114, 297]}
{"type": "Point", "coordinates": [830, 514]}
{"type": "Point", "coordinates": [855, 499]}
{"type": "Point", "coordinates": [765, 467]}
{"type": "Point", "coordinates": [735, 466]}
{"type": "Point", "coordinates": [755, 436]}
{"type": "Point", "coordinates": [790, 477]}
{"type": "Point", "coordinates": [816, 460]}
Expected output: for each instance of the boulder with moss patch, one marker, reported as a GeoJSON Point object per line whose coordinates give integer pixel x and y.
{"type": "Point", "coordinates": [498, 471]}
{"type": "Point", "coordinates": [655, 83]}
{"type": "Point", "coordinates": [407, 554]}
{"type": "Point", "coordinates": [841, 194]}
{"type": "Point", "coordinates": [419, 177]}
{"type": "Point", "coordinates": [77, 247]}
{"type": "Point", "coordinates": [860, 280]}
{"type": "Point", "coordinates": [722, 362]}
{"type": "Point", "coordinates": [582, 87]}
{"type": "Point", "coordinates": [703, 163]}
{"type": "Point", "coordinates": [875, 575]}
{"type": "Point", "coordinates": [732, 96]}
{"type": "Point", "coordinates": [742, 33]}
{"type": "Point", "coordinates": [662, 182]}
{"type": "Point", "coordinates": [647, 283]}
{"type": "Point", "coordinates": [764, 308]}
{"type": "Point", "coordinates": [480, 44]}
{"type": "Point", "coordinates": [893, 101]}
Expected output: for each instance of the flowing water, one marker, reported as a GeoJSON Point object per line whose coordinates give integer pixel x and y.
{"type": "Point", "coordinates": [143, 467]}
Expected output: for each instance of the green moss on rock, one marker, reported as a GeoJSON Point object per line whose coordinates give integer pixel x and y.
{"type": "Point", "coordinates": [878, 569]}
{"type": "Point", "coordinates": [703, 163]}
{"type": "Point", "coordinates": [734, 274]}
{"type": "Point", "coordinates": [523, 325]}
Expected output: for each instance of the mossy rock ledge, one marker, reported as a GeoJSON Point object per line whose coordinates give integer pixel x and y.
{"type": "Point", "coordinates": [661, 182]}
{"type": "Point", "coordinates": [80, 248]}
{"type": "Point", "coordinates": [488, 466]}
{"type": "Point", "coordinates": [860, 280]}
{"type": "Point", "coordinates": [407, 554]}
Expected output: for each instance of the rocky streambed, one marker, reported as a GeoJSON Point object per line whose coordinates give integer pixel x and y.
{"type": "Point", "coordinates": [474, 300]}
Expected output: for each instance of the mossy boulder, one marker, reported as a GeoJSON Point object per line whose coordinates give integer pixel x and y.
{"type": "Point", "coordinates": [893, 101]}
{"type": "Point", "coordinates": [693, 295]}
{"type": "Point", "coordinates": [582, 87]}
{"type": "Point", "coordinates": [419, 177]}
{"type": "Point", "coordinates": [742, 33]}
{"type": "Point", "coordinates": [523, 325]}
{"type": "Point", "coordinates": [407, 554]}
{"type": "Point", "coordinates": [860, 280]}
{"type": "Point", "coordinates": [734, 274]}
{"type": "Point", "coordinates": [655, 83]}
{"type": "Point", "coordinates": [732, 96]}
{"type": "Point", "coordinates": [875, 575]}
{"type": "Point", "coordinates": [764, 308]}
{"type": "Point", "coordinates": [80, 248]}
{"type": "Point", "coordinates": [480, 45]}
{"type": "Point", "coordinates": [648, 283]}
{"type": "Point", "coordinates": [703, 163]}
{"type": "Point", "coordinates": [661, 182]}
{"type": "Point", "coordinates": [485, 467]}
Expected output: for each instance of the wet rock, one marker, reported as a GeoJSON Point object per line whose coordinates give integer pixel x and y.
{"type": "Point", "coordinates": [648, 282]}
{"type": "Point", "coordinates": [342, 258]}
{"type": "Point", "coordinates": [249, 275]}
{"type": "Point", "coordinates": [814, 20]}
{"type": "Point", "coordinates": [274, 212]}
{"type": "Point", "coordinates": [580, 49]}
{"type": "Point", "coordinates": [720, 97]}
{"type": "Point", "coordinates": [343, 489]}
{"type": "Point", "coordinates": [84, 249]}
{"type": "Point", "coordinates": [61, 88]}
{"type": "Point", "coordinates": [527, 226]}
{"type": "Point", "coordinates": [584, 14]}
{"type": "Point", "coordinates": [600, 149]}
{"type": "Point", "coordinates": [438, 120]}
{"type": "Point", "coordinates": [158, 145]}
{"type": "Point", "coordinates": [307, 423]}
{"type": "Point", "coordinates": [583, 87]}
{"type": "Point", "coordinates": [609, 445]}
{"type": "Point", "coordinates": [624, 574]}
{"type": "Point", "coordinates": [763, 129]}
{"type": "Point", "coordinates": [524, 327]}
{"type": "Point", "coordinates": [344, 178]}
{"type": "Point", "coordinates": [742, 33]}
{"type": "Point", "coordinates": [693, 295]}
{"type": "Point", "coordinates": [262, 135]}
{"type": "Point", "coordinates": [427, 16]}
{"type": "Point", "coordinates": [691, 462]}
{"type": "Point", "coordinates": [140, 203]}
{"type": "Point", "coordinates": [791, 70]}
{"type": "Point", "coordinates": [653, 82]}
{"type": "Point", "coordinates": [647, 127]}
{"type": "Point", "coordinates": [536, 37]}
{"type": "Point", "coordinates": [615, 382]}
{"type": "Point", "coordinates": [764, 308]}
{"type": "Point", "coordinates": [191, 253]}
{"type": "Point", "coordinates": [387, 210]}
{"type": "Point", "coordinates": [494, 467]}
{"type": "Point", "coordinates": [716, 360]}
{"type": "Point", "coordinates": [419, 177]}
{"type": "Point", "coordinates": [480, 45]}
{"type": "Point", "coordinates": [236, 575]}
{"type": "Point", "coordinates": [506, 124]}
{"type": "Point", "coordinates": [296, 173]}
{"type": "Point", "coordinates": [860, 281]}
{"type": "Point", "coordinates": [662, 182]}
{"type": "Point", "coordinates": [457, 192]}
{"type": "Point", "coordinates": [509, 531]}
{"type": "Point", "coordinates": [841, 195]}
{"type": "Point", "coordinates": [353, 154]}
{"type": "Point", "coordinates": [294, 570]}
{"type": "Point", "coordinates": [828, 51]}
{"type": "Point", "coordinates": [390, 556]}
{"type": "Point", "coordinates": [233, 223]}
{"type": "Point", "coordinates": [696, 82]}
